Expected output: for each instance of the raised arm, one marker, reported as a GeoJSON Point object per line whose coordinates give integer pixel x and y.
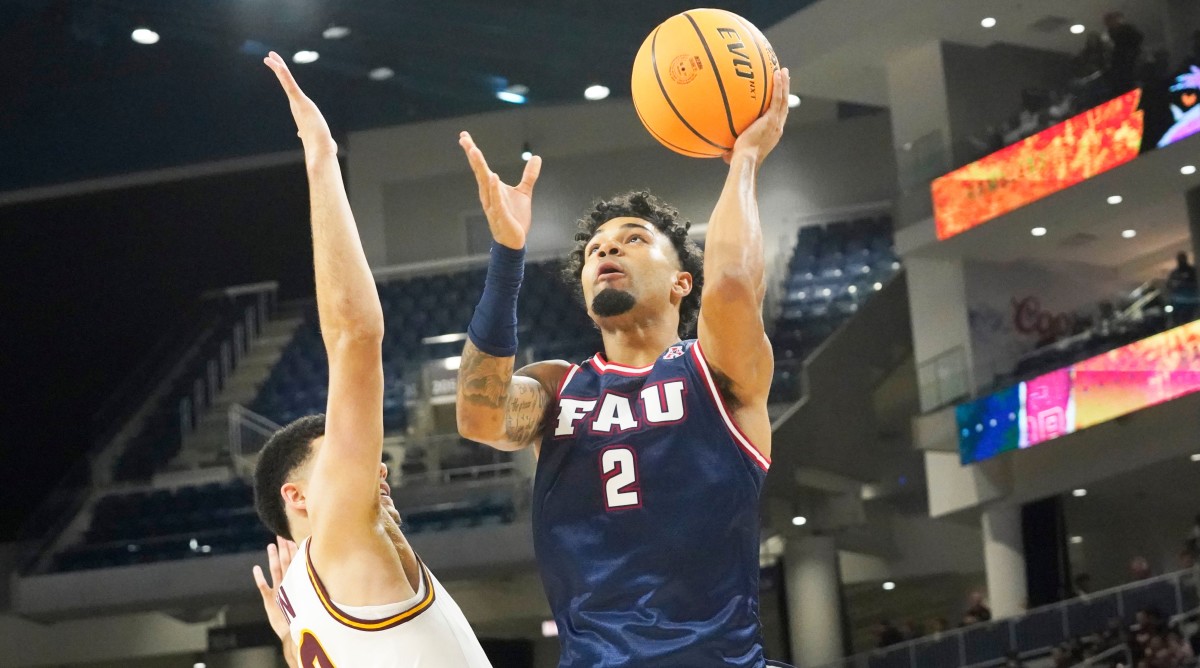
{"type": "Point", "coordinates": [496, 406]}
{"type": "Point", "coordinates": [730, 330]}
{"type": "Point", "coordinates": [343, 494]}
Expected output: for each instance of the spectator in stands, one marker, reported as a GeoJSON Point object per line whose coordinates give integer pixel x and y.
{"type": "Point", "coordinates": [1126, 43]}
{"type": "Point", "coordinates": [1092, 61]}
{"type": "Point", "coordinates": [911, 630]}
{"type": "Point", "coordinates": [1139, 569]}
{"type": "Point", "coordinates": [1182, 292]}
{"type": "Point", "coordinates": [937, 625]}
{"type": "Point", "coordinates": [886, 634]}
{"type": "Point", "coordinates": [978, 609]}
{"type": "Point", "coordinates": [1083, 584]}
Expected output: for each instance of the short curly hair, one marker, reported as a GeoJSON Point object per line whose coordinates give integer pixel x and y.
{"type": "Point", "coordinates": [641, 204]}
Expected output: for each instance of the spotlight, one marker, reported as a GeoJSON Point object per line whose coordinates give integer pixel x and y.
{"type": "Point", "coordinates": [1115, 199]}
{"type": "Point", "coordinates": [793, 100]}
{"type": "Point", "coordinates": [335, 32]}
{"type": "Point", "coordinates": [1129, 234]}
{"type": "Point", "coordinates": [1076, 540]}
{"type": "Point", "coordinates": [799, 521]}
{"type": "Point", "coordinates": [889, 585]}
{"type": "Point", "coordinates": [510, 97]}
{"type": "Point", "coordinates": [305, 57]}
{"type": "Point", "coordinates": [595, 92]}
{"type": "Point", "coordinates": [1077, 493]}
{"type": "Point", "coordinates": [1196, 457]}
{"type": "Point", "coordinates": [1187, 170]}
{"type": "Point", "coordinates": [989, 22]}
{"type": "Point", "coordinates": [1169, 309]}
{"type": "Point", "coordinates": [526, 152]}
{"type": "Point", "coordinates": [878, 287]}
{"type": "Point", "coordinates": [381, 74]}
{"type": "Point", "coordinates": [144, 36]}
{"type": "Point", "coordinates": [1038, 231]}
{"type": "Point", "coordinates": [1078, 29]}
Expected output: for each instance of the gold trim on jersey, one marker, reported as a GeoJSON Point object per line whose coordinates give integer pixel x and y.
{"type": "Point", "coordinates": [371, 624]}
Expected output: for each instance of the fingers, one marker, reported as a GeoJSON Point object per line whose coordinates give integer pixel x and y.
{"type": "Point", "coordinates": [783, 85]}
{"type": "Point", "coordinates": [495, 191]}
{"type": "Point", "coordinates": [478, 165]}
{"type": "Point", "coordinates": [533, 169]}
{"type": "Point", "coordinates": [273, 564]}
{"type": "Point", "coordinates": [280, 68]}
{"type": "Point", "coordinates": [261, 582]}
{"type": "Point", "coordinates": [287, 549]}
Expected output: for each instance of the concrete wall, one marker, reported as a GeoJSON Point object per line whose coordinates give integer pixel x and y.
{"type": "Point", "coordinates": [411, 188]}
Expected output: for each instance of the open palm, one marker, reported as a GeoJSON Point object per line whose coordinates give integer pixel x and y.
{"type": "Point", "coordinates": [509, 209]}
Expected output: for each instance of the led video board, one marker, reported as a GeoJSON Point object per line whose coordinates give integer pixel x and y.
{"type": "Point", "coordinates": [1135, 376]}
{"type": "Point", "coordinates": [1099, 139]}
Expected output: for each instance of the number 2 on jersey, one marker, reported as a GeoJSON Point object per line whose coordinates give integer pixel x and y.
{"type": "Point", "coordinates": [618, 468]}
{"type": "Point", "coordinates": [312, 655]}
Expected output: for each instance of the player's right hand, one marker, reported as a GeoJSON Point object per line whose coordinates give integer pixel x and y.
{"type": "Point", "coordinates": [279, 557]}
{"type": "Point", "coordinates": [310, 124]}
{"type": "Point", "coordinates": [509, 209]}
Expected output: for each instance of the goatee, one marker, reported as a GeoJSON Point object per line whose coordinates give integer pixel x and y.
{"type": "Point", "coordinates": [610, 301]}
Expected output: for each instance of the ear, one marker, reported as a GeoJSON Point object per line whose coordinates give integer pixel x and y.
{"type": "Point", "coordinates": [293, 497]}
{"type": "Point", "coordinates": [682, 286]}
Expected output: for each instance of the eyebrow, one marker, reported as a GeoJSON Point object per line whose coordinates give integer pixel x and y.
{"type": "Point", "coordinates": [639, 226]}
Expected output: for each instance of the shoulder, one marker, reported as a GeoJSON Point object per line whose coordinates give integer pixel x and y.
{"type": "Point", "coordinates": [548, 373]}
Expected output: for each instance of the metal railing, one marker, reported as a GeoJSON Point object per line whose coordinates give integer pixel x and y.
{"type": "Point", "coordinates": [248, 432]}
{"type": "Point", "coordinates": [1037, 631]}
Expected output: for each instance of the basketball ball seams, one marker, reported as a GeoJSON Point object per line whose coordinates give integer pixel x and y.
{"type": "Point", "coordinates": [762, 106]}
{"type": "Point", "coordinates": [716, 72]}
{"type": "Point", "coordinates": [664, 142]}
{"type": "Point", "coordinates": [667, 96]}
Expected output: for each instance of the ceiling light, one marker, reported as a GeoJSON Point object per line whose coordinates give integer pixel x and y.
{"type": "Point", "coordinates": [595, 92]}
{"type": "Point", "coordinates": [799, 521]}
{"type": "Point", "coordinates": [305, 57]}
{"type": "Point", "coordinates": [381, 73]}
{"type": "Point", "coordinates": [1078, 29]}
{"type": "Point", "coordinates": [793, 100]}
{"type": "Point", "coordinates": [1196, 457]}
{"type": "Point", "coordinates": [989, 22]}
{"type": "Point", "coordinates": [144, 36]}
{"type": "Point", "coordinates": [1169, 309]}
{"type": "Point", "coordinates": [889, 585]}
{"type": "Point", "coordinates": [513, 94]}
{"type": "Point", "coordinates": [199, 664]}
{"type": "Point", "coordinates": [878, 286]}
{"type": "Point", "coordinates": [1076, 540]}
{"type": "Point", "coordinates": [1115, 199]}
{"type": "Point", "coordinates": [852, 289]}
{"type": "Point", "coordinates": [1079, 492]}
{"type": "Point", "coordinates": [1038, 231]}
{"type": "Point", "coordinates": [526, 152]}
{"type": "Point", "coordinates": [1187, 170]}
{"type": "Point", "coordinates": [1129, 234]}
{"type": "Point", "coordinates": [335, 32]}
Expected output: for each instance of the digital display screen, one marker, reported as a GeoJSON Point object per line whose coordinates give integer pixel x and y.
{"type": "Point", "coordinates": [1099, 139]}
{"type": "Point", "coordinates": [1135, 376]}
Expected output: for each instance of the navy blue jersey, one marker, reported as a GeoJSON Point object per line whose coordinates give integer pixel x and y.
{"type": "Point", "coordinates": [645, 518]}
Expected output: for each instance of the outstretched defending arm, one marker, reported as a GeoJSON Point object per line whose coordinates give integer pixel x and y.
{"type": "Point", "coordinates": [343, 494]}
{"type": "Point", "coordinates": [730, 330]}
{"type": "Point", "coordinates": [495, 405]}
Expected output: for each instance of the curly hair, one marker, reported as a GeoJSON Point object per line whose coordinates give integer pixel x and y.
{"type": "Point", "coordinates": [641, 204]}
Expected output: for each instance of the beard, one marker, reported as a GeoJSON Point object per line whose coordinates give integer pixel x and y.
{"type": "Point", "coordinates": [610, 302]}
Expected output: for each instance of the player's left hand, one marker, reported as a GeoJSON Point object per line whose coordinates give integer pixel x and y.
{"type": "Point", "coordinates": [763, 134]}
{"type": "Point", "coordinates": [279, 557]}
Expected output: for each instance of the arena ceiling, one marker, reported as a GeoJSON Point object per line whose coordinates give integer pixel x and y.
{"type": "Point", "coordinates": [82, 100]}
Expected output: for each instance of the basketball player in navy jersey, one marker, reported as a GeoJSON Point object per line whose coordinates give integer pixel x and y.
{"type": "Point", "coordinates": [651, 454]}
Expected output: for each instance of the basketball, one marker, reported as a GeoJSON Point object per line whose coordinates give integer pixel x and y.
{"type": "Point", "coordinates": [700, 79]}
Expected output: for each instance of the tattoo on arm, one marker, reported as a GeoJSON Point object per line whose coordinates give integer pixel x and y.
{"type": "Point", "coordinates": [484, 379]}
{"type": "Point", "coordinates": [485, 382]}
{"type": "Point", "coordinates": [523, 417]}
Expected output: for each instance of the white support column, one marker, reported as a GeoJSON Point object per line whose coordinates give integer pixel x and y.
{"type": "Point", "coordinates": [1004, 559]}
{"type": "Point", "coordinates": [814, 604]}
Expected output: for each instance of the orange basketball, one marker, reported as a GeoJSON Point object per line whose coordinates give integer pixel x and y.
{"type": "Point", "coordinates": [700, 79]}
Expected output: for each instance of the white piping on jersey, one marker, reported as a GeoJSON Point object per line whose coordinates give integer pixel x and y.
{"type": "Point", "coordinates": [603, 366]}
{"type": "Point", "coordinates": [567, 379]}
{"type": "Point", "coordinates": [749, 448]}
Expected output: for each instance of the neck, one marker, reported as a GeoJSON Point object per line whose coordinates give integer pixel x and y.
{"type": "Point", "coordinates": [639, 344]}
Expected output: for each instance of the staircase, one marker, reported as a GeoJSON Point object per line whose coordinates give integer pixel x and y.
{"type": "Point", "coordinates": [208, 445]}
